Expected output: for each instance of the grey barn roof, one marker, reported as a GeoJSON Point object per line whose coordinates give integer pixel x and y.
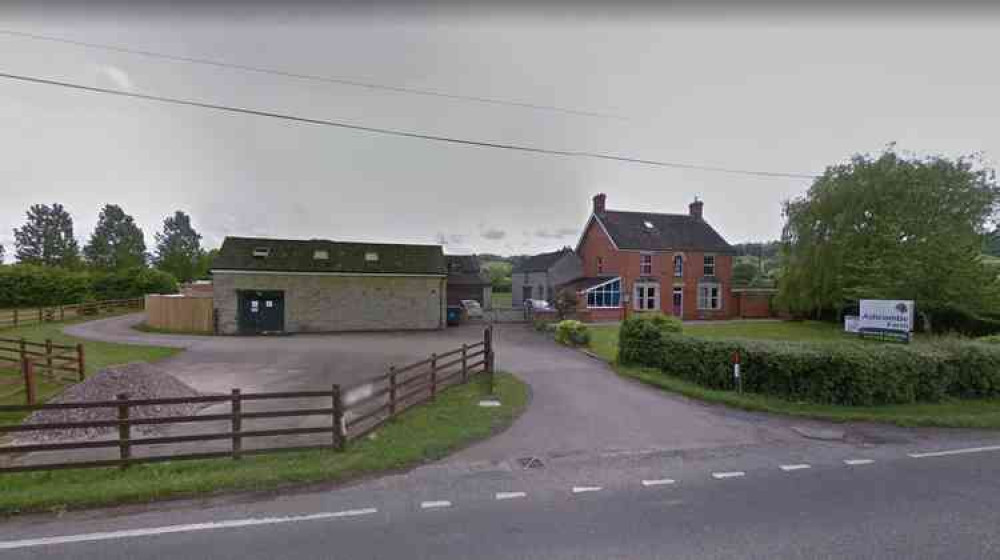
{"type": "Point", "coordinates": [542, 261]}
{"type": "Point", "coordinates": [668, 232]}
{"type": "Point", "coordinates": [295, 255]}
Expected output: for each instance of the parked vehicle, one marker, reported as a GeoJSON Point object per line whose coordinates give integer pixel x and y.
{"type": "Point", "coordinates": [472, 309]}
{"type": "Point", "coordinates": [537, 304]}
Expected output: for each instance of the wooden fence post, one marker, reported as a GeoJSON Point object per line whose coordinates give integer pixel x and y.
{"type": "Point", "coordinates": [48, 355]}
{"type": "Point", "coordinates": [40, 320]}
{"type": "Point", "coordinates": [392, 390]}
{"type": "Point", "coordinates": [124, 430]}
{"type": "Point", "coordinates": [62, 313]}
{"type": "Point", "coordinates": [488, 355]}
{"type": "Point", "coordinates": [434, 359]}
{"type": "Point", "coordinates": [237, 413]}
{"type": "Point", "coordinates": [465, 363]}
{"type": "Point", "coordinates": [15, 316]}
{"type": "Point", "coordinates": [339, 433]}
{"type": "Point", "coordinates": [80, 361]}
{"type": "Point", "coordinates": [28, 369]}
{"type": "Point", "coordinates": [22, 348]}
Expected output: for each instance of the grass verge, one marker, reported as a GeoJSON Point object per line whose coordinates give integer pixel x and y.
{"type": "Point", "coordinates": [98, 355]}
{"type": "Point", "coordinates": [951, 413]}
{"type": "Point", "coordinates": [424, 433]}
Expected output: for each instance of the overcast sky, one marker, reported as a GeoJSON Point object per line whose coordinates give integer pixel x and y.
{"type": "Point", "coordinates": [786, 92]}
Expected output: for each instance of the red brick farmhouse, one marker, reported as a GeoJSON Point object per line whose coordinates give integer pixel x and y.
{"type": "Point", "coordinates": [643, 261]}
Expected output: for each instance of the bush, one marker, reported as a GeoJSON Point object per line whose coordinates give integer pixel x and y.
{"type": "Point", "coordinates": [542, 325]}
{"type": "Point", "coordinates": [133, 282]}
{"type": "Point", "coordinates": [572, 333]}
{"type": "Point", "coordinates": [25, 285]}
{"type": "Point", "coordinates": [838, 373]}
{"type": "Point", "coordinates": [640, 338]}
{"type": "Point", "coordinates": [992, 339]}
{"type": "Point", "coordinates": [35, 286]}
{"type": "Point", "coordinates": [956, 319]}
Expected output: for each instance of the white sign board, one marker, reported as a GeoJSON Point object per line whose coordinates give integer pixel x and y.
{"type": "Point", "coordinates": [887, 315]}
{"type": "Point", "coordinates": [852, 323]}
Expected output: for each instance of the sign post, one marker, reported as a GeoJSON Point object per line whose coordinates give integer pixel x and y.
{"type": "Point", "coordinates": [886, 317]}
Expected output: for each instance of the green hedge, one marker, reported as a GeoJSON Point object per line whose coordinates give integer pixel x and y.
{"type": "Point", "coordinates": [572, 333]}
{"type": "Point", "coordinates": [36, 286]}
{"type": "Point", "coordinates": [844, 373]}
{"type": "Point", "coordinates": [640, 338]}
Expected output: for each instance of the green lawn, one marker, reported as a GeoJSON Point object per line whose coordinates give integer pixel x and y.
{"type": "Point", "coordinates": [502, 300]}
{"type": "Point", "coordinates": [98, 355]}
{"type": "Point", "coordinates": [424, 433]}
{"type": "Point", "coordinates": [982, 413]}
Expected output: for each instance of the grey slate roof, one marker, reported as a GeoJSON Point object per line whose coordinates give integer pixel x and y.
{"type": "Point", "coordinates": [295, 255]}
{"type": "Point", "coordinates": [464, 270]}
{"type": "Point", "coordinates": [542, 261]}
{"type": "Point", "coordinates": [669, 232]}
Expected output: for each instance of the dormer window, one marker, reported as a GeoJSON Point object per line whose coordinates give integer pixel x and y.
{"type": "Point", "coordinates": [321, 255]}
{"type": "Point", "coordinates": [648, 225]}
{"type": "Point", "coordinates": [371, 257]}
{"type": "Point", "coordinates": [261, 252]}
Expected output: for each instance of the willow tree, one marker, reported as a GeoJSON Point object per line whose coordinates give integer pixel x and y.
{"type": "Point", "coordinates": [891, 227]}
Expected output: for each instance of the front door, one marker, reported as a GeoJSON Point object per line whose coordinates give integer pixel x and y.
{"type": "Point", "coordinates": [678, 301]}
{"type": "Point", "coordinates": [647, 297]}
{"type": "Point", "coordinates": [261, 312]}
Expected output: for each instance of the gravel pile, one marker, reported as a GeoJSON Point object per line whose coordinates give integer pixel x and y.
{"type": "Point", "coordinates": [138, 381]}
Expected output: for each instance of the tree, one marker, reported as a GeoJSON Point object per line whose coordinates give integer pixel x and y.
{"type": "Point", "coordinates": [565, 304]}
{"type": "Point", "coordinates": [178, 247]}
{"type": "Point", "coordinates": [117, 242]}
{"type": "Point", "coordinates": [744, 273]}
{"type": "Point", "coordinates": [1, 253]}
{"type": "Point", "coordinates": [499, 272]}
{"type": "Point", "coordinates": [46, 238]}
{"type": "Point", "coordinates": [890, 227]}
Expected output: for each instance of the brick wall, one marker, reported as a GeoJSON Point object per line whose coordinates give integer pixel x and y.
{"type": "Point", "coordinates": [318, 303]}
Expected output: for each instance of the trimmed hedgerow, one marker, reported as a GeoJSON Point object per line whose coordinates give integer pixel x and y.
{"type": "Point", "coordinates": [859, 374]}
{"type": "Point", "coordinates": [572, 333]}
{"type": "Point", "coordinates": [640, 338]}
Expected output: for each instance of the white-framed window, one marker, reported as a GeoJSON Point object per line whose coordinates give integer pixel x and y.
{"type": "Point", "coordinates": [709, 268]}
{"type": "Point", "coordinates": [678, 266]}
{"type": "Point", "coordinates": [646, 264]}
{"type": "Point", "coordinates": [709, 296]}
{"type": "Point", "coordinates": [608, 294]}
{"type": "Point", "coordinates": [647, 297]}
{"type": "Point", "coordinates": [600, 265]}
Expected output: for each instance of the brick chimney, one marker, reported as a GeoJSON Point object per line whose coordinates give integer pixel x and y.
{"type": "Point", "coordinates": [695, 208]}
{"type": "Point", "coordinates": [599, 200]}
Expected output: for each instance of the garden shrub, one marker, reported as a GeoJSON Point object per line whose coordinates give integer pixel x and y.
{"type": "Point", "coordinates": [639, 338]}
{"type": "Point", "coordinates": [546, 326]}
{"type": "Point", "coordinates": [853, 373]}
{"type": "Point", "coordinates": [572, 333]}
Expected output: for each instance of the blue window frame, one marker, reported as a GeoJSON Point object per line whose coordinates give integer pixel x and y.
{"type": "Point", "coordinates": [608, 294]}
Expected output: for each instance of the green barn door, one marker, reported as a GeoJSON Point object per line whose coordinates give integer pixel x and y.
{"type": "Point", "coordinates": [261, 312]}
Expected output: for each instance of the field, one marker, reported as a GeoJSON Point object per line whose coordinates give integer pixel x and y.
{"type": "Point", "coordinates": [502, 300]}
{"type": "Point", "coordinates": [953, 413]}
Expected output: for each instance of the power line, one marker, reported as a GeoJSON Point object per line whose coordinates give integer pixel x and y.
{"type": "Point", "coordinates": [311, 77]}
{"type": "Point", "coordinates": [403, 133]}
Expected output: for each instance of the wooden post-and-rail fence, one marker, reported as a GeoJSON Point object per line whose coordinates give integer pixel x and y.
{"type": "Point", "coordinates": [52, 360]}
{"type": "Point", "coordinates": [352, 412]}
{"type": "Point", "coordinates": [35, 315]}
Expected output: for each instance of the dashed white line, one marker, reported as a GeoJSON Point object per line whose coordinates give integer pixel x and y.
{"type": "Point", "coordinates": [435, 504]}
{"type": "Point", "coordinates": [658, 482]}
{"type": "Point", "coordinates": [955, 452]}
{"type": "Point", "coordinates": [580, 489]}
{"type": "Point", "coordinates": [797, 467]}
{"type": "Point", "coordinates": [856, 462]}
{"type": "Point", "coordinates": [723, 475]}
{"type": "Point", "coordinates": [131, 533]}
{"type": "Point", "coordinates": [510, 495]}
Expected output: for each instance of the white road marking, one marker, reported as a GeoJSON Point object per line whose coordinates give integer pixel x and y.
{"type": "Point", "coordinates": [579, 489]}
{"type": "Point", "coordinates": [722, 475]}
{"type": "Point", "coordinates": [165, 530]}
{"type": "Point", "coordinates": [955, 452]}
{"type": "Point", "coordinates": [657, 482]}
{"type": "Point", "coordinates": [798, 467]}
{"type": "Point", "coordinates": [855, 462]}
{"type": "Point", "coordinates": [435, 504]}
{"type": "Point", "coordinates": [510, 495]}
